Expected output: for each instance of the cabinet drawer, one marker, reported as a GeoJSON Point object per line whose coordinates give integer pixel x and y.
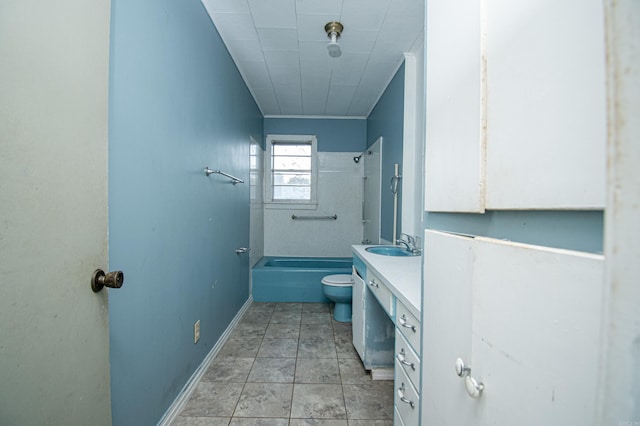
{"type": "Point", "coordinates": [397, 420]}
{"type": "Point", "coordinates": [409, 326]}
{"type": "Point", "coordinates": [406, 399]}
{"type": "Point", "coordinates": [407, 358]}
{"type": "Point", "coordinates": [382, 293]}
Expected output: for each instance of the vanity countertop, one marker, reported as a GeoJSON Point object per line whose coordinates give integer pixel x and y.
{"type": "Point", "coordinates": [402, 275]}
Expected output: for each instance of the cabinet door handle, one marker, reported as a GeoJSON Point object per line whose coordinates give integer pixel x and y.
{"type": "Point", "coordinates": [403, 398]}
{"type": "Point", "coordinates": [462, 369]}
{"type": "Point", "coordinates": [401, 359]}
{"type": "Point", "coordinates": [474, 388]}
{"type": "Point", "coordinates": [403, 322]}
{"type": "Point", "coordinates": [373, 283]}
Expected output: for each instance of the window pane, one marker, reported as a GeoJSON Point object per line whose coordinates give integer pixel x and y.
{"type": "Point", "coordinates": [291, 149]}
{"type": "Point", "coordinates": [280, 178]}
{"type": "Point", "coordinates": [291, 163]}
{"type": "Point", "coordinates": [291, 193]}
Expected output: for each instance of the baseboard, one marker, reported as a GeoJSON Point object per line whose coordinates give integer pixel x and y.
{"type": "Point", "coordinates": [382, 374]}
{"type": "Point", "coordinates": [184, 395]}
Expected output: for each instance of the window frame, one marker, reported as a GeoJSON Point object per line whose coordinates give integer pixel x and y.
{"type": "Point", "coordinates": [268, 184]}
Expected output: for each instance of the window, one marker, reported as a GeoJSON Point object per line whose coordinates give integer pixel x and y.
{"type": "Point", "coordinates": [291, 169]}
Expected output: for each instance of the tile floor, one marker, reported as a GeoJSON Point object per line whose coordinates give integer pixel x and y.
{"type": "Point", "coordinates": [289, 364]}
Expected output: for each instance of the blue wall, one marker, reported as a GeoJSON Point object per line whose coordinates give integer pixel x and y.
{"type": "Point", "coordinates": [571, 230]}
{"type": "Point", "coordinates": [386, 120]}
{"type": "Point", "coordinates": [334, 135]}
{"type": "Point", "coordinates": [177, 104]}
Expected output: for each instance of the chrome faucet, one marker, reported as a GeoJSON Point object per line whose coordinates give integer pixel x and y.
{"type": "Point", "coordinates": [409, 243]}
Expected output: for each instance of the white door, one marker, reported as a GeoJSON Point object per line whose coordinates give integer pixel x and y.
{"type": "Point", "coordinates": [54, 339]}
{"type": "Point", "coordinates": [372, 192]}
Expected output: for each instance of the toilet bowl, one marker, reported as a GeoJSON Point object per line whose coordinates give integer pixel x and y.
{"type": "Point", "coordinates": [339, 289]}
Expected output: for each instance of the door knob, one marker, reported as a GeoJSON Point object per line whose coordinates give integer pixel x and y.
{"type": "Point", "coordinates": [241, 250]}
{"type": "Point", "coordinates": [113, 279]}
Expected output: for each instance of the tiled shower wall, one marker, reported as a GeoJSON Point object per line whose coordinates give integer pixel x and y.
{"type": "Point", "coordinates": [340, 192]}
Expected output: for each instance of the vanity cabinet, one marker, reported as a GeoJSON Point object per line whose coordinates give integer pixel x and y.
{"type": "Point", "coordinates": [388, 328]}
{"type": "Point", "coordinates": [373, 330]}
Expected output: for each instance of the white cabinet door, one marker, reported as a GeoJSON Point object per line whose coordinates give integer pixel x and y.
{"type": "Point", "coordinates": [526, 319]}
{"type": "Point", "coordinates": [536, 333]}
{"type": "Point", "coordinates": [446, 328]}
{"type": "Point", "coordinates": [454, 150]}
{"type": "Point", "coordinates": [546, 115]}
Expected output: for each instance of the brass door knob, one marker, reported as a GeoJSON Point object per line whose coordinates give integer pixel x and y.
{"type": "Point", "coordinates": [113, 279]}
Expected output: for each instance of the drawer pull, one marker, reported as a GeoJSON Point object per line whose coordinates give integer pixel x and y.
{"type": "Point", "coordinates": [401, 359]}
{"type": "Point", "coordinates": [373, 283]}
{"type": "Point", "coordinates": [403, 398]}
{"type": "Point", "coordinates": [403, 322]}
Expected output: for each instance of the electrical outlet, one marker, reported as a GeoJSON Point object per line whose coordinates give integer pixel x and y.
{"type": "Point", "coordinates": [196, 331]}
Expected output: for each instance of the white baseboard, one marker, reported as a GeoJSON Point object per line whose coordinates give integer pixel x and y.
{"type": "Point", "coordinates": [382, 374]}
{"type": "Point", "coordinates": [184, 395]}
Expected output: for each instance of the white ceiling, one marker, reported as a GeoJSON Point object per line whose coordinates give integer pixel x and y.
{"type": "Point", "coordinates": [280, 49]}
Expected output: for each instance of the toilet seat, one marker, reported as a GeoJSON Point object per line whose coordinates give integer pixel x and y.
{"type": "Point", "coordinates": [338, 280]}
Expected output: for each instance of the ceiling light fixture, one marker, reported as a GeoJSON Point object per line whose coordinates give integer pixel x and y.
{"type": "Point", "coordinates": [333, 30]}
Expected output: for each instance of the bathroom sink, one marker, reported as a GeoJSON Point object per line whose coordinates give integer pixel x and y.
{"type": "Point", "coordinates": [390, 251]}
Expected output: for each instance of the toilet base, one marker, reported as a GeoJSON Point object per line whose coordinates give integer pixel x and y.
{"type": "Point", "coordinates": [342, 312]}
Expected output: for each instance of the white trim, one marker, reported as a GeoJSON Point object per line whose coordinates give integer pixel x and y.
{"type": "Point", "coordinates": [382, 374]}
{"type": "Point", "coordinates": [184, 395]}
{"type": "Point", "coordinates": [268, 193]}
{"type": "Point", "coordinates": [320, 117]}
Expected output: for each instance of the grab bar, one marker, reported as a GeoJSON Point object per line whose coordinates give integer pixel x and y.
{"type": "Point", "coordinates": [294, 217]}
{"type": "Point", "coordinates": [234, 180]}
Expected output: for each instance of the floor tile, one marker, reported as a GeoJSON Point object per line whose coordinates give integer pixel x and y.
{"type": "Point", "coordinates": [262, 307]}
{"type": "Point", "coordinates": [288, 307]}
{"type": "Point", "coordinates": [317, 422]}
{"type": "Point", "coordinates": [289, 364]}
{"type": "Point", "coordinates": [352, 372]}
{"type": "Point", "coordinates": [256, 317]}
{"type": "Point", "coordinates": [315, 308]}
{"type": "Point", "coordinates": [213, 399]}
{"type": "Point", "coordinates": [342, 328]}
{"type": "Point", "coordinates": [282, 331]}
{"type": "Point", "coordinates": [265, 400]}
{"type": "Point", "coordinates": [249, 329]}
{"type": "Point", "coordinates": [316, 347]}
{"type": "Point", "coordinates": [272, 370]}
{"type": "Point", "coordinates": [315, 318]}
{"type": "Point", "coordinates": [286, 317]}
{"type": "Point", "coordinates": [316, 330]}
{"type": "Point", "coordinates": [344, 347]}
{"type": "Point", "coordinates": [238, 421]}
{"type": "Point", "coordinates": [240, 348]}
{"type": "Point", "coordinates": [201, 421]}
{"type": "Point", "coordinates": [324, 370]}
{"type": "Point", "coordinates": [373, 400]}
{"type": "Point", "coordinates": [318, 401]}
{"type": "Point", "coordinates": [234, 370]}
{"type": "Point", "coordinates": [278, 348]}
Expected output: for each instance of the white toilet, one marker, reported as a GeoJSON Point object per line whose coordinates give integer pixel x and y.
{"type": "Point", "coordinates": [339, 289]}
